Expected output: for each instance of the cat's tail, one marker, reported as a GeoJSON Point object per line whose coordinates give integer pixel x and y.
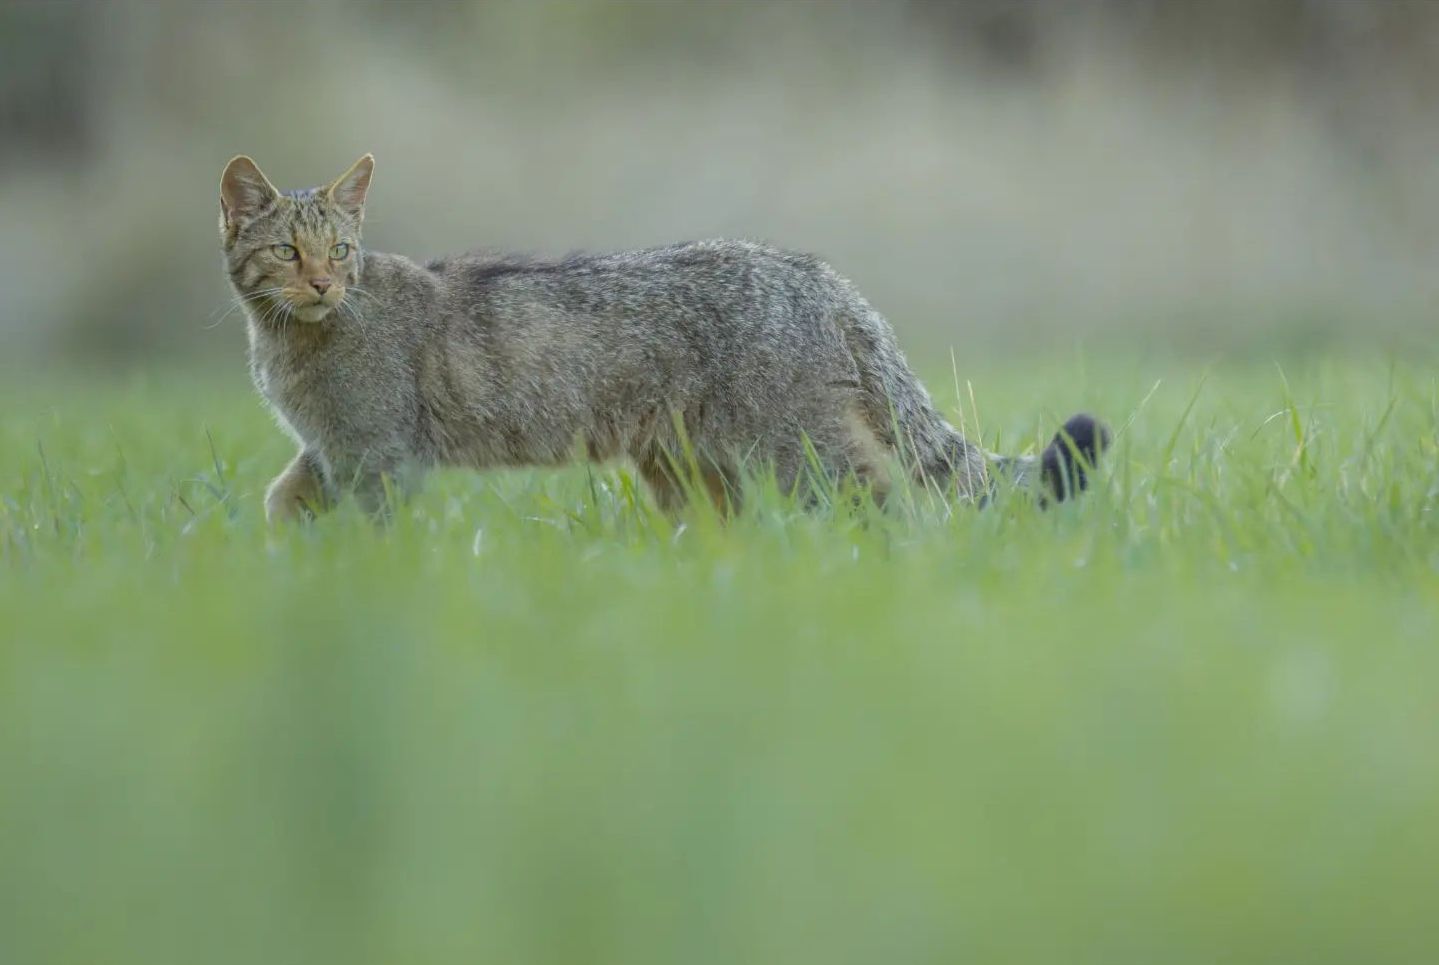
{"type": "Point", "coordinates": [902, 416]}
{"type": "Point", "coordinates": [1063, 468]}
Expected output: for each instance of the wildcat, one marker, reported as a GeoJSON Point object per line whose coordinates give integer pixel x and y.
{"type": "Point", "coordinates": [692, 361]}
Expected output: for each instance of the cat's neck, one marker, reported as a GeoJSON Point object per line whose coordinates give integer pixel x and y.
{"type": "Point", "coordinates": [288, 340]}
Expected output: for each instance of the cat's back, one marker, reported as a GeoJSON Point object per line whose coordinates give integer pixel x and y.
{"type": "Point", "coordinates": [693, 306]}
{"type": "Point", "coordinates": [713, 271]}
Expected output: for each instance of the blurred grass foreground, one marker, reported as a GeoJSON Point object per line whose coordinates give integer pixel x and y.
{"type": "Point", "coordinates": [1190, 718]}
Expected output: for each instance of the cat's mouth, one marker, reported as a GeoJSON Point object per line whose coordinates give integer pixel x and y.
{"type": "Point", "coordinates": [314, 309]}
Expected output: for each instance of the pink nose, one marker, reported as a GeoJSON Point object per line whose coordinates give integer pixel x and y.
{"type": "Point", "coordinates": [320, 285]}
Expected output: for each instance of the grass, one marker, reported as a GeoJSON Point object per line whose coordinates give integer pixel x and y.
{"type": "Point", "coordinates": [1191, 718]}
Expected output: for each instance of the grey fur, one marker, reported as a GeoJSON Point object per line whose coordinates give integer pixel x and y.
{"type": "Point", "coordinates": [482, 361]}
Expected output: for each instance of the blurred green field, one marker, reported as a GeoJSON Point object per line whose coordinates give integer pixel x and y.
{"type": "Point", "coordinates": [1192, 718]}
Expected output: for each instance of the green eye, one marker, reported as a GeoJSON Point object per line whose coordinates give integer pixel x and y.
{"type": "Point", "coordinates": [285, 252]}
{"type": "Point", "coordinates": [340, 252]}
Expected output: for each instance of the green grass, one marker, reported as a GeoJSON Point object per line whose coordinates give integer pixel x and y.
{"type": "Point", "coordinates": [1192, 718]}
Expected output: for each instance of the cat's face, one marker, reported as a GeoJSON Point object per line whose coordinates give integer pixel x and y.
{"type": "Point", "coordinates": [292, 255]}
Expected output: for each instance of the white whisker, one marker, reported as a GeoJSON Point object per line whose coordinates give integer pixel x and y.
{"type": "Point", "coordinates": [242, 300]}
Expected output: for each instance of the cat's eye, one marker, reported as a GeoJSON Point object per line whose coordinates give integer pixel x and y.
{"type": "Point", "coordinates": [285, 252]}
{"type": "Point", "coordinates": [340, 252]}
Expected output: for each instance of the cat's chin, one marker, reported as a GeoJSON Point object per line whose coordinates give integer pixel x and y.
{"type": "Point", "coordinates": [313, 313]}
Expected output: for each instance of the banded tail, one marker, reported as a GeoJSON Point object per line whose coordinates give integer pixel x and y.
{"type": "Point", "coordinates": [1064, 465]}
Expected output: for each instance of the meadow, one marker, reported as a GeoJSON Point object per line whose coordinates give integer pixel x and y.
{"type": "Point", "coordinates": [1191, 717]}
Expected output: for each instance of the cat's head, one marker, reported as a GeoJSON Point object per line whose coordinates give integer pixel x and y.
{"type": "Point", "coordinates": [293, 254]}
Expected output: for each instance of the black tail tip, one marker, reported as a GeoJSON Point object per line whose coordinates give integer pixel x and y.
{"type": "Point", "coordinates": [1067, 460]}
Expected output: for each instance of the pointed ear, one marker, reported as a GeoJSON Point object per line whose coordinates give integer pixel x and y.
{"type": "Point", "coordinates": [349, 190]}
{"type": "Point", "coordinates": [245, 192]}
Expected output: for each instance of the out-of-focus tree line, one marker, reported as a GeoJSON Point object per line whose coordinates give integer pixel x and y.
{"type": "Point", "coordinates": [1195, 174]}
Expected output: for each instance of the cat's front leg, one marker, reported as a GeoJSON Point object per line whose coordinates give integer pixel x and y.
{"type": "Point", "coordinates": [378, 479]}
{"type": "Point", "coordinates": [379, 493]}
{"type": "Point", "coordinates": [299, 492]}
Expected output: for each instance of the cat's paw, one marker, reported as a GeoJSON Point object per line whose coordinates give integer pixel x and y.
{"type": "Point", "coordinates": [289, 500]}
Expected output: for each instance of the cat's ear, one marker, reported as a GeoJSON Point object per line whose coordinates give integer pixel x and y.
{"type": "Point", "coordinates": [245, 192]}
{"type": "Point", "coordinates": [350, 188]}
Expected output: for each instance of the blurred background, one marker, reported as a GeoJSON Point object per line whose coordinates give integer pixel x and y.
{"type": "Point", "coordinates": [1189, 719]}
{"type": "Point", "coordinates": [1014, 176]}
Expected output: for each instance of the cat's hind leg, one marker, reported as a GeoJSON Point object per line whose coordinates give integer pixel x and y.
{"type": "Point", "coordinates": [662, 474]}
{"type": "Point", "coordinates": [664, 485]}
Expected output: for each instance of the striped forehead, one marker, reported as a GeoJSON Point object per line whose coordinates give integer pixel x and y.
{"type": "Point", "coordinates": [310, 211]}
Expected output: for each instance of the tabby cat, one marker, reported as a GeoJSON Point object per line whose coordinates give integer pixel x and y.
{"type": "Point", "coordinates": [693, 361]}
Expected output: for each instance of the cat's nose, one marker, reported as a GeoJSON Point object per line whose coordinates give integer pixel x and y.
{"type": "Point", "coordinates": [320, 285]}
